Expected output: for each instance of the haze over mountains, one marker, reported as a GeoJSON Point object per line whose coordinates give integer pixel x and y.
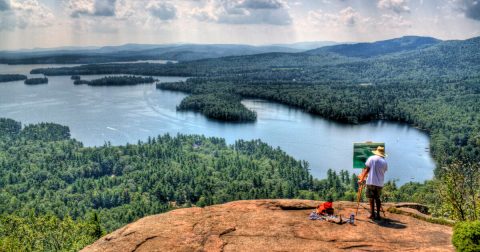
{"type": "Point", "coordinates": [189, 52]}
{"type": "Point", "coordinates": [132, 52]}
{"type": "Point", "coordinates": [366, 50]}
{"type": "Point", "coordinates": [407, 57]}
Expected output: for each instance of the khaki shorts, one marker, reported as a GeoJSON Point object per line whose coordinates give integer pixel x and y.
{"type": "Point", "coordinates": [373, 192]}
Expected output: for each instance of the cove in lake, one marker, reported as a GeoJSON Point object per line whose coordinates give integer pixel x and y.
{"type": "Point", "coordinates": [127, 114]}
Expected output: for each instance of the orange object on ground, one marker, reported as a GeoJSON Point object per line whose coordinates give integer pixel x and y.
{"type": "Point", "coordinates": [325, 207]}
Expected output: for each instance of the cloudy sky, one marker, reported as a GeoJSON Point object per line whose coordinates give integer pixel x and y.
{"type": "Point", "coordinates": [53, 23]}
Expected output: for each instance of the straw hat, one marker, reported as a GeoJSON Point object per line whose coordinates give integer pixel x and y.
{"type": "Point", "coordinates": [380, 151]}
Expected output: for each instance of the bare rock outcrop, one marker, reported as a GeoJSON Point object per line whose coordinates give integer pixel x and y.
{"type": "Point", "coordinates": [274, 225]}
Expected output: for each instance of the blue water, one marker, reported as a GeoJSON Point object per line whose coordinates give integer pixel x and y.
{"type": "Point", "coordinates": [127, 114]}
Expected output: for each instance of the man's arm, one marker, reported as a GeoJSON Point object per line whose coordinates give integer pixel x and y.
{"type": "Point", "coordinates": [363, 176]}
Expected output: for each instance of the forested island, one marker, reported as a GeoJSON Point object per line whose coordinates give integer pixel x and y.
{"type": "Point", "coordinates": [116, 81]}
{"type": "Point", "coordinates": [12, 77]}
{"type": "Point", "coordinates": [75, 77]}
{"type": "Point", "coordinates": [51, 184]}
{"type": "Point", "coordinates": [36, 81]}
{"type": "Point", "coordinates": [81, 82]}
{"type": "Point", "coordinates": [225, 107]}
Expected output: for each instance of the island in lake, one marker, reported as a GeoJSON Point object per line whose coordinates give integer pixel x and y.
{"type": "Point", "coordinates": [12, 77]}
{"type": "Point", "coordinates": [114, 81]}
{"type": "Point", "coordinates": [36, 81]}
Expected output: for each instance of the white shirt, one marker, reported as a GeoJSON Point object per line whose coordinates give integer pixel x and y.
{"type": "Point", "coordinates": [378, 167]}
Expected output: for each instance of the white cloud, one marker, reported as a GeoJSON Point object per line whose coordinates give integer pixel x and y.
{"type": "Point", "coordinates": [105, 8]}
{"type": "Point", "coordinates": [25, 13]}
{"type": "Point", "coordinates": [162, 10]}
{"type": "Point", "coordinates": [80, 7]}
{"type": "Point", "coordinates": [261, 4]}
{"type": "Point", "coordinates": [394, 22]}
{"type": "Point", "coordinates": [100, 8]}
{"type": "Point", "coordinates": [273, 12]}
{"type": "Point", "coordinates": [230, 21]}
{"type": "Point", "coordinates": [398, 6]}
{"type": "Point", "coordinates": [347, 17]}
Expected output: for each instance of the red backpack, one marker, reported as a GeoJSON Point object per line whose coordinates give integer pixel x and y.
{"type": "Point", "coordinates": [325, 208]}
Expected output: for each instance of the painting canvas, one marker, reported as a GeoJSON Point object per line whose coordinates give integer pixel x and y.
{"type": "Point", "coordinates": [362, 151]}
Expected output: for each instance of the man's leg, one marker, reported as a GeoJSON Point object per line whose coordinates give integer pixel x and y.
{"type": "Point", "coordinates": [379, 206]}
{"type": "Point", "coordinates": [372, 207]}
{"type": "Point", "coordinates": [371, 199]}
{"type": "Point", "coordinates": [378, 193]}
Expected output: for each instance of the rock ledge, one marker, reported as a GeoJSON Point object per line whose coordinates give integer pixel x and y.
{"type": "Point", "coordinates": [273, 225]}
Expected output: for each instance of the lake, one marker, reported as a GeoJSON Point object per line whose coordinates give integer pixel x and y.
{"type": "Point", "coordinates": [127, 114]}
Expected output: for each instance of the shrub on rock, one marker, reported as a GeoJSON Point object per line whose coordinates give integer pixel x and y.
{"type": "Point", "coordinates": [466, 236]}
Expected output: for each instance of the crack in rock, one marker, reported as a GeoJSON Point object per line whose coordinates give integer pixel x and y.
{"type": "Point", "coordinates": [228, 230]}
{"type": "Point", "coordinates": [141, 243]}
{"type": "Point", "coordinates": [129, 233]}
{"type": "Point", "coordinates": [356, 246]}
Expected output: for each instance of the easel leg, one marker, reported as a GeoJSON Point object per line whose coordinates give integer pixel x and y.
{"type": "Point", "coordinates": [359, 196]}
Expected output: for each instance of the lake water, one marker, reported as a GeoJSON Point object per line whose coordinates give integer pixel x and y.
{"type": "Point", "coordinates": [131, 113]}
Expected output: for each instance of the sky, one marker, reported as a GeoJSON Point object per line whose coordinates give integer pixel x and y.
{"type": "Point", "coordinates": [55, 23]}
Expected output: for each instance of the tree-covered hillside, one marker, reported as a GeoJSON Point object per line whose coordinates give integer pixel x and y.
{"type": "Point", "coordinates": [378, 48]}
{"type": "Point", "coordinates": [444, 61]}
{"type": "Point", "coordinates": [44, 171]}
{"type": "Point", "coordinates": [56, 194]}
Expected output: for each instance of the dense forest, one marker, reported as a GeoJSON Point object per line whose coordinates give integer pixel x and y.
{"type": "Point", "coordinates": [47, 232]}
{"type": "Point", "coordinates": [445, 61]}
{"type": "Point", "coordinates": [12, 77]}
{"type": "Point", "coordinates": [36, 81]}
{"type": "Point", "coordinates": [49, 181]}
{"type": "Point", "coordinates": [378, 48]}
{"type": "Point", "coordinates": [116, 81]}
{"type": "Point", "coordinates": [44, 171]}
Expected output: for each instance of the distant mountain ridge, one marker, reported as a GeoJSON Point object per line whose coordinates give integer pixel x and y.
{"type": "Point", "coordinates": [443, 60]}
{"type": "Point", "coordinates": [134, 52]}
{"type": "Point", "coordinates": [378, 48]}
{"type": "Point", "coordinates": [187, 52]}
{"type": "Point", "coordinates": [192, 52]}
{"type": "Point", "coordinates": [308, 45]}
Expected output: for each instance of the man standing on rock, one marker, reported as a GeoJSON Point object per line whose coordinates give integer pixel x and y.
{"type": "Point", "coordinates": [376, 166]}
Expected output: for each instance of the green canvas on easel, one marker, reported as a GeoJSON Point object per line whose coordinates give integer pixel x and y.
{"type": "Point", "coordinates": [362, 151]}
